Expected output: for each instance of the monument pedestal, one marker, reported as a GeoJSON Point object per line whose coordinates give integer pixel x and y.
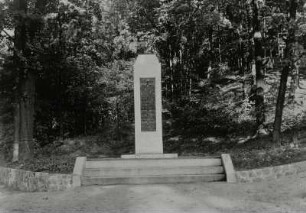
{"type": "Point", "coordinates": [149, 156]}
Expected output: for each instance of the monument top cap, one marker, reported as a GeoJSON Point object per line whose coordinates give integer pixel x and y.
{"type": "Point", "coordinates": [147, 66]}
{"type": "Point", "coordinates": [147, 59]}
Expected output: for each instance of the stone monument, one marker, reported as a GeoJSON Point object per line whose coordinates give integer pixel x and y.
{"type": "Point", "coordinates": [148, 109]}
{"type": "Point", "coordinates": [149, 164]}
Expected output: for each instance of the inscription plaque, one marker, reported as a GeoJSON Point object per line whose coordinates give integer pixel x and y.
{"type": "Point", "coordinates": [147, 104]}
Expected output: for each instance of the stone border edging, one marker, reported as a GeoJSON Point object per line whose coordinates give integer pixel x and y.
{"type": "Point", "coordinates": [27, 181]}
{"type": "Point", "coordinates": [270, 173]}
{"type": "Point", "coordinates": [42, 182]}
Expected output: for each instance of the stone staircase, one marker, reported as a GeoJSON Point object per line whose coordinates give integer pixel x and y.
{"type": "Point", "coordinates": [149, 171]}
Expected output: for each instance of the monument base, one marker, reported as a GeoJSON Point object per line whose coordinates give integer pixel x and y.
{"type": "Point", "coordinates": [149, 156]}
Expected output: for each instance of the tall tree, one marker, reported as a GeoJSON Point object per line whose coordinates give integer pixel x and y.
{"type": "Point", "coordinates": [258, 57]}
{"type": "Point", "coordinates": [27, 28]}
{"type": "Point", "coordinates": [289, 65]}
{"type": "Point", "coordinates": [25, 87]}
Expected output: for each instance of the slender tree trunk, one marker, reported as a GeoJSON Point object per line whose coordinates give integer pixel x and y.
{"type": "Point", "coordinates": [190, 84]}
{"type": "Point", "coordinates": [294, 83]}
{"type": "Point", "coordinates": [280, 104]}
{"type": "Point", "coordinates": [16, 132]}
{"type": "Point", "coordinates": [209, 69]}
{"type": "Point", "coordinates": [258, 54]}
{"type": "Point", "coordinates": [284, 76]}
{"type": "Point", "coordinates": [241, 57]}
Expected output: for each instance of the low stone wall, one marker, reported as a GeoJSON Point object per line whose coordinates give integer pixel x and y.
{"type": "Point", "coordinates": [42, 182]}
{"type": "Point", "coordinates": [270, 173]}
{"type": "Point", "coordinates": [34, 181]}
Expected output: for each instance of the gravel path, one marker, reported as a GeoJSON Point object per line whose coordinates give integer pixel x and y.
{"type": "Point", "coordinates": [285, 195]}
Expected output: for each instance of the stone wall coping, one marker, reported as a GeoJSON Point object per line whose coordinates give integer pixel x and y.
{"type": "Point", "coordinates": [79, 166]}
{"type": "Point", "coordinates": [229, 168]}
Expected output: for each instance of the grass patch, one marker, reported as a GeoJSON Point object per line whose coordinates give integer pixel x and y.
{"type": "Point", "coordinates": [254, 159]}
{"type": "Point", "coordinates": [262, 152]}
{"type": "Point", "coordinates": [256, 153]}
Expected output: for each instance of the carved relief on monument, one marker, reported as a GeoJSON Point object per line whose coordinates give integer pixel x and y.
{"type": "Point", "coordinates": [147, 104]}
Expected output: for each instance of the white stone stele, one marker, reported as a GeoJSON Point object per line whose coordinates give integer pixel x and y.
{"type": "Point", "coordinates": [148, 144]}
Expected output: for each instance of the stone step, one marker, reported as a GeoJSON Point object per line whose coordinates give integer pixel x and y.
{"type": "Point", "coordinates": [147, 171]}
{"type": "Point", "coordinates": [87, 181]}
{"type": "Point", "coordinates": [162, 163]}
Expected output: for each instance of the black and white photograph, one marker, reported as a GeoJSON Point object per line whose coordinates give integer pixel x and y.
{"type": "Point", "coordinates": [152, 106]}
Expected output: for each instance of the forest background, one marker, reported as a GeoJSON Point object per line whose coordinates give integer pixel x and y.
{"type": "Point", "coordinates": [233, 74]}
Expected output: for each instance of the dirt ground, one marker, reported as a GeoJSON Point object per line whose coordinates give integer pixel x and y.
{"type": "Point", "coordinates": [285, 195]}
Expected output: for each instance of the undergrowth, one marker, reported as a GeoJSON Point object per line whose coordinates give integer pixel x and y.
{"type": "Point", "coordinates": [53, 164]}
{"type": "Point", "coordinates": [252, 159]}
{"type": "Point", "coordinates": [255, 153]}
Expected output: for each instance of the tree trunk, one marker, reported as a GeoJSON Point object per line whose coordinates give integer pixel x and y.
{"type": "Point", "coordinates": [16, 132]}
{"type": "Point", "coordinates": [210, 57]}
{"type": "Point", "coordinates": [285, 73]}
{"type": "Point", "coordinates": [294, 83]}
{"type": "Point", "coordinates": [27, 117]}
{"type": "Point", "coordinates": [24, 119]}
{"type": "Point", "coordinates": [280, 104]}
{"type": "Point", "coordinates": [260, 83]}
{"type": "Point", "coordinates": [25, 90]}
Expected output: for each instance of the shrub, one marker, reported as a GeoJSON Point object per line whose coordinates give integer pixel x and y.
{"type": "Point", "coordinates": [53, 164]}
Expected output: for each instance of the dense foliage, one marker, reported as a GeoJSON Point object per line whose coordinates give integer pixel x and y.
{"type": "Point", "coordinates": [71, 61]}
